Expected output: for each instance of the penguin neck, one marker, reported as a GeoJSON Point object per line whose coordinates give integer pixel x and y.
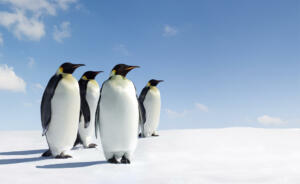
{"type": "Point", "coordinates": [154, 88]}
{"type": "Point", "coordinates": [118, 77]}
{"type": "Point", "coordinates": [93, 82]}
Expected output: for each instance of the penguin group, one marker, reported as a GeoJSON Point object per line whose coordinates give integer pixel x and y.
{"type": "Point", "coordinates": [78, 112]}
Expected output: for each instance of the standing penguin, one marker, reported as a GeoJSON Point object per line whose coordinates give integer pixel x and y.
{"type": "Point", "coordinates": [60, 109]}
{"type": "Point", "coordinates": [89, 93]}
{"type": "Point", "coordinates": [118, 116]}
{"type": "Point", "coordinates": [150, 101]}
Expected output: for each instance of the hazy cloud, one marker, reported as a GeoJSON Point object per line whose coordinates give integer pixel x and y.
{"type": "Point", "coordinates": [31, 62]}
{"type": "Point", "coordinates": [268, 120]}
{"type": "Point", "coordinates": [121, 49]}
{"type": "Point", "coordinates": [38, 86]}
{"type": "Point", "coordinates": [1, 40]}
{"type": "Point", "coordinates": [169, 31]}
{"type": "Point", "coordinates": [62, 32]}
{"type": "Point", "coordinates": [201, 107]}
{"type": "Point", "coordinates": [174, 114]}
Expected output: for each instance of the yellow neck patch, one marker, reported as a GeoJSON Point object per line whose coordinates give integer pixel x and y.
{"type": "Point", "coordinates": [113, 73]}
{"type": "Point", "coordinates": [60, 71]}
{"type": "Point", "coordinates": [148, 84]}
{"type": "Point", "coordinates": [84, 77]}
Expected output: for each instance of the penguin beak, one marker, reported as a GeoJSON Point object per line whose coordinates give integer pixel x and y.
{"type": "Point", "coordinates": [77, 65]}
{"type": "Point", "coordinates": [97, 72]}
{"type": "Point", "coordinates": [131, 67]}
{"type": "Point", "coordinates": [160, 81]}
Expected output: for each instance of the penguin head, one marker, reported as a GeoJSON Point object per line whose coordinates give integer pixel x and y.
{"type": "Point", "coordinates": [90, 75]}
{"type": "Point", "coordinates": [122, 69]}
{"type": "Point", "coordinates": [68, 68]}
{"type": "Point", "coordinates": [154, 82]}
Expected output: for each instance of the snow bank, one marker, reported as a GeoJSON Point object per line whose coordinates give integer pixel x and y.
{"type": "Point", "coordinates": [209, 156]}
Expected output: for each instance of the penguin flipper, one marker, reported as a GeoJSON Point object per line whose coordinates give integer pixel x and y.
{"type": "Point", "coordinates": [85, 109]}
{"type": "Point", "coordinates": [141, 100]}
{"type": "Point", "coordinates": [78, 140]}
{"type": "Point", "coordinates": [46, 101]}
{"type": "Point", "coordinates": [97, 116]}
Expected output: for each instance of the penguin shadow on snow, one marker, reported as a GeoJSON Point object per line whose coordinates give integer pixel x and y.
{"type": "Point", "coordinates": [23, 152]}
{"type": "Point", "coordinates": [21, 160]}
{"type": "Point", "coordinates": [71, 165]}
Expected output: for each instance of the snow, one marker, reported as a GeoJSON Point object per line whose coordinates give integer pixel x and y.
{"type": "Point", "coordinates": [209, 156]}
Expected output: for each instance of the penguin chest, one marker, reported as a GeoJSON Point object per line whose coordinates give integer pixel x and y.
{"type": "Point", "coordinates": [92, 97]}
{"type": "Point", "coordinates": [65, 107]}
{"type": "Point", "coordinates": [152, 105]}
{"type": "Point", "coordinates": [119, 116]}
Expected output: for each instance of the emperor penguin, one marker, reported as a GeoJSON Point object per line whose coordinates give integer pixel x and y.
{"type": "Point", "coordinates": [89, 93]}
{"type": "Point", "coordinates": [118, 116]}
{"type": "Point", "coordinates": [150, 100]}
{"type": "Point", "coordinates": [60, 109]}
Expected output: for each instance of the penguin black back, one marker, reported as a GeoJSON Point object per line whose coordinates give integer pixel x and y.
{"type": "Point", "coordinates": [46, 101]}
{"type": "Point", "coordinates": [84, 106]}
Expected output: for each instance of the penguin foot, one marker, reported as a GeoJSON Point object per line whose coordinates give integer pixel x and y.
{"type": "Point", "coordinates": [63, 156]}
{"type": "Point", "coordinates": [92, 145]}
{"type": "Point", "coordinates": [141, 135]}
{"type": "Point", "coordinates": [47, 153]}
{"type": "Point", "coordinates": [155, 135]}
{"type": "Point", "coordinates": [125, 160]}
{"type": "Point", "coordinates": [113, 160]}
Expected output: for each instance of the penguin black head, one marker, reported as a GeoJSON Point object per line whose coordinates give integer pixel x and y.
{"type": "Point", "coordinates": [154, 82]}
{"type": "Point", "coordinates": [122, 69]}
{"type": "Point", "coordinates": [90, 75]}
{"type": "Point", "coordinates": [68, 68]}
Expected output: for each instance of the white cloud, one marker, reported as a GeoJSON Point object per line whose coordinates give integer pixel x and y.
{"type": "Point", "coordinates": [201, 107]}
{"type": "Point", "coordinates": [174, 114]}
{"type": "Point", "coordinates": [1, 40]}
{"type": "Point", "coordinates": [62, 32]}
{"type": "Point", "coordinates": [268, 120]}
{"type": "Point", "coordinates": [25, 18]}
{"type": "Point", "coordinates": [10, 81]}
{"type": "Point", "coordinates": [31, 62]}
{"type": "Point", "coordinates": [121, 49]}
{"type": "Point", "coordinates": [64, 4]}
{"type": "Point", "coordinates": [169, 31]}
{"type": "Point", "coordinates": [36, 6]}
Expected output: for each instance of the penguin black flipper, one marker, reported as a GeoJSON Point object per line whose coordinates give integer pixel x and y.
{"type": "Point", "coordinates": [84, 106]}
{"type": "Point", "coordinates": [46, 102]}
{"type": "Point", "coordinates": [97, 117]}
{"type": "Point", "coordinates": [78, 140]}
{"type": "Point", "coordinates": [141, 102]}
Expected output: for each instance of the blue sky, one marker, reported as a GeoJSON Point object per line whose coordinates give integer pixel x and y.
{"type": "Point", "coordinates": [225, 63]}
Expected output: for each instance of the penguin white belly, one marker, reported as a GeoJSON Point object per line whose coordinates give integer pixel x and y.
{"type": "Point", "coordinates": [87, 135]}
{"type": "Point", "coordinates": [65, 107]}
{"type": "Point", "coordinates": [152, 107]}
{"type": "Point", "coordinates": [119, 118]}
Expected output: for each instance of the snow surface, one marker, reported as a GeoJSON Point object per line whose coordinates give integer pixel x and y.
{"type": "Point", "coordinates": [208, 156]}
